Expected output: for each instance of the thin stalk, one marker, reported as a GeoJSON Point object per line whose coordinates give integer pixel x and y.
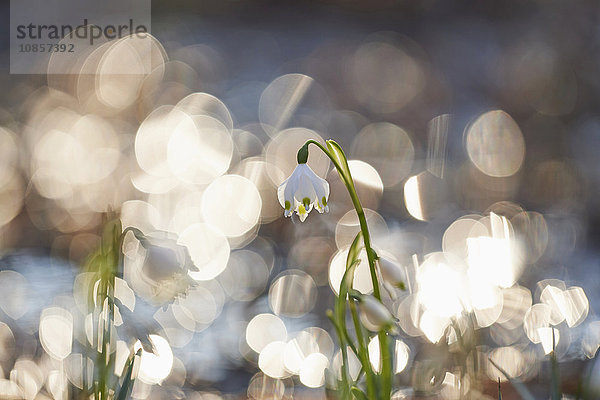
{"type": "Point", "coordinates": [345, 372]}
{"type": "Point", "coordinates": [349, 341]}
{"type": "Point", "coordinates": [499, 390]}
{"type": "Point", "coordinates": [102, 342]}
{"type": "Point", "coordinates": [386, 364]}
{"type": "Point", "coordinates": [344, 350]}
{"type": "Point", "coordinates": [343, 332]}
{"type": "Point", "coordinates": [555, 378]}
{"type": "Point", "coordinates": [363, 353]}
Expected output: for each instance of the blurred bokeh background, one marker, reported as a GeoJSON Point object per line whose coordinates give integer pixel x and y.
{"type": "Point", "coordinates": [473, 130]}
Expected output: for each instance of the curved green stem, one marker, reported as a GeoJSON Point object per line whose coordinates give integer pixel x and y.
{"type": "Point", "coordinates": [335, 162]}
{"type": "Point", "coordinates": [386, 365]}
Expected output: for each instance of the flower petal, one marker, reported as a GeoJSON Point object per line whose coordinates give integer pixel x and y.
{"type": "Point", "coordinates": [285, 192]}
{"type": "Point", "coordinates": [302, 212]}
{"type": "Point", "coordinates": [281, 191]}
{"type": "Point", "coordinates": [321, 187]}
{"type": "Point", "coordinates": [322, 191]}
{"type": "Point", "coordinates": [305, 189]}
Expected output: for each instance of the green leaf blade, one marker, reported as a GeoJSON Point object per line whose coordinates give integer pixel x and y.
{"type": "Point", "coordinates": [128, 381]}
{"type": "Point", "coordinates": [357, 393]}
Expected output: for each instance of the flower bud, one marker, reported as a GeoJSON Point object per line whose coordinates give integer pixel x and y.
{"type": "Point", "coordinates": [303, 154]}
{"type": "Point", "coordinates": [374, 315]}
{"type": "Point", "coordinates": [392, 272]}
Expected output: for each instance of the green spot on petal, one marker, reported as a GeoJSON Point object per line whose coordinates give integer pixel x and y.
{"type": "Point", "coordinates": [287, 205]}
{"type": "Point", "coordinates": [324, 201]}
{"type": "Point", "coordinates": [306, 202]}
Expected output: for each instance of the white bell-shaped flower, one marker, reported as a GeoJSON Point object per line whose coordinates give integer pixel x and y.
{"type": "Point", "coordinates": [302, 191]}
{"type": "Point", "coordinates": [164, 257]}
{"type": "Point", "coordinates": [392, 272]}
{"type": "Point", "coordinates": [374, 315]}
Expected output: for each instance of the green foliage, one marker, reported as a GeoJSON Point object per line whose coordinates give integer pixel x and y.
{"type": "Point", "coordinates": [105, 265]}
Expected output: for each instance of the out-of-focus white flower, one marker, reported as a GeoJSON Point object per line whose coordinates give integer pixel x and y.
{"type": "Point", "coordinates": [303, 190]}
{"type": "Point", "coordinates": [164, 257]}
{"type": "Point", "coordinates": [392, 272]}
{"type": "Point", "coordinates": [162, 263]}
{"type": "Point", "coordinates": [374, 315]}
{"type": "Point", "coordinates": [165, 267]}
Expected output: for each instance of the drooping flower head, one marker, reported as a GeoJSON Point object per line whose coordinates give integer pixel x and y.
{"type": "Point", "coordinates": [166, 266]}
{"type": "Point", "coordinates": [302, 191]}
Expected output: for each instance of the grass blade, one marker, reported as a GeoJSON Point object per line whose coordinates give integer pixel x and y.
{"type": "Point", "coordinates": [517, 384]}
{"type": "Point", "coordinates": [499, 390]}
